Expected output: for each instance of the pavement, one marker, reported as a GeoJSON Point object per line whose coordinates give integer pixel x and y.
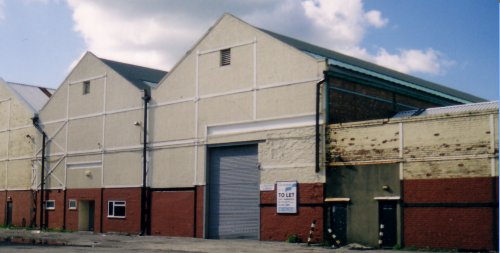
{"type": "Point", "coordinates": [20, 240]}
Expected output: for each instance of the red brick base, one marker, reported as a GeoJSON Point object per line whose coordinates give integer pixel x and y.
{"type": "Point", "coordinates": [173, 212]}
{"type": "Point", "coordinates": [22, 202]}
{"type": "Point", "coordinates": [278, 227]}
{"type": "Point", "coordinates": [451, 213]}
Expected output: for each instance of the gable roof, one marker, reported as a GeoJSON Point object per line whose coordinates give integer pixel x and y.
{"type": "Point", "coordinates": [34, 97]}
{"type": "Point", "coordinates": [364, 67]}
{"type": "Point", "coordinates": [140, 77]}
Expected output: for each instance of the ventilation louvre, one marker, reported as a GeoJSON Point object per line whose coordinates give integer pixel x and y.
{"type": "Point", "coordinates": [225, 57]}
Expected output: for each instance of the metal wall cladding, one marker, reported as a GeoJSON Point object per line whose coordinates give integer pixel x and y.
{"type": "Point", "coordinates": [233, 193]}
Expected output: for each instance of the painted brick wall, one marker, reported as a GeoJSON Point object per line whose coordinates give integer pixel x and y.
{"type": "Point", "coordinates": [132, 222]}
{"type": "Point", "coordinates": [277, 227]}
{"type": "Point", "coordinates": [172, 213]}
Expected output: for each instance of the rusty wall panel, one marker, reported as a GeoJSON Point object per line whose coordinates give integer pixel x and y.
{"type": "Point", "coordinates": [364, 143]}
{"type": "Point", "coordinates": [447, 137]}
{"type": "Point", "coordinates": [447, 169]}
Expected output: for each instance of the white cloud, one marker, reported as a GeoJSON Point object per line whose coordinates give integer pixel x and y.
{"type": "Point", "coordinates": [346, 22]}
{"type": "Point", "coordinates": [156, 33]}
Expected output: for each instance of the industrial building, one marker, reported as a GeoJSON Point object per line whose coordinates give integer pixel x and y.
{"type": "Point", "coordinates": [19, 103]}
{"type": "Point", "coordinates": [248, 136]}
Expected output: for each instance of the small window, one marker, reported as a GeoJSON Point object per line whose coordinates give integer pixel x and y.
{"type": "Point", "coordinates": [72, 204]}
{"type": "Point", "coordinates": [50, 204]}
{"type": "Point", "coordinates": [225, 57]}
{"type": "Point", "coordinates": [86, 87]}
{"type": "Point", "coordinates": [116, 209]}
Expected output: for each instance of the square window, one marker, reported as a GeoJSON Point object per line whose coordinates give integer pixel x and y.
{"type": "Point", "coordinates": [86, 87]}
{"type": "Point", "coordinates": [116, 209]}
{"type": "Point", "coordinates": [225, 57]}
{"type": "Point", "coordinates": [72, 204]}
{"type": "Point", "coordinates": [50, 204]}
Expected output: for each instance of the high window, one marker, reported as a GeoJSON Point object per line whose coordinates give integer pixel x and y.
{"type": "Point", "coordinates": [50, 204]}
{"type": "Point", "coordinates": [72, 204]}
{"type": "Point", "coordinates": [116, 209]}
{"type": "Point", "coordinates": [225, 57]}
{"type": "Point", "coordinates": [86, 87]}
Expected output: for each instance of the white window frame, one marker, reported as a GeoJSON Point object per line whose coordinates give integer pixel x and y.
{"type": "Point", "coordinates": [116, 203]}
{"type": "Point", "coordinates": [70, 207]}
{"type": "Point", "coordinates": [52, 206]}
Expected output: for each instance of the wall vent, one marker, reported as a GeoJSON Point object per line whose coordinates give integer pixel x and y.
{"type": "Point", "coordinates": [225, 57]}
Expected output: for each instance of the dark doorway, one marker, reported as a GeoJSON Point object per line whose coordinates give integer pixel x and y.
{"type": "Point", "coordinates": [8, 218]}
{"type": "Point", "coordinates": [338, 223]}
{"type": "Point", "coordinates": [388, 223]}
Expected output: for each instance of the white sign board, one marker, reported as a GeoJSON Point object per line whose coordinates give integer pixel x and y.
{"type": "Point", "coordinates": [286, 198]}
{"type": "Point", "coordinates": [266, 187]}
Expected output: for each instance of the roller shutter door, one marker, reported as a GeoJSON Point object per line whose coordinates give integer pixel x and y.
{"type": "Point", "coordinates": [233, 193]}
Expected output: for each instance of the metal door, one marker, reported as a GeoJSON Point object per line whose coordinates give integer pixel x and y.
{"type": "Point", "coordinates": [338, 224]}
{"type": "Point", "coordinates": [8, 221]}
{"type": "Point", "coordinates": [233, 193]}
{"type": "Point", "coordinates": [388, 223]}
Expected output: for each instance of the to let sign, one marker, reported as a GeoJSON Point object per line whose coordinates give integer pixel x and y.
{"type": "Point", "coordinates": [286, 198]}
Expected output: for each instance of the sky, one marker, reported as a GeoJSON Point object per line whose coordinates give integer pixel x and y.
{"type": "Point", "coordinates": [453, 43]}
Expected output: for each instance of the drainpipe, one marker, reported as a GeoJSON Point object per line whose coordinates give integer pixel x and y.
{"type": "Point", "coordinates": [42, 174]}
{"type": "Point", "coordinates": [318, 94]}
{"type": "Point", "coordinates": [144, 207]}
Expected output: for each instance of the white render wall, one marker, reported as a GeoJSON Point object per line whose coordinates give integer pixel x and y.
{"type": "Point", "coordinates": [266, 94]}
{"type": "Point", "coordinates": [17, 137]}
{"type": "Point", "coordinates": [93, 141]}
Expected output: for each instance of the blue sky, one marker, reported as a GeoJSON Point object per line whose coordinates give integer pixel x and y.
{"type": "Point", "coordinates": [454, 43]}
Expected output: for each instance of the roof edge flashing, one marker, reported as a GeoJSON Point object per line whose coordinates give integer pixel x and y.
{"type": "Point", "coordinates": [397, 81]}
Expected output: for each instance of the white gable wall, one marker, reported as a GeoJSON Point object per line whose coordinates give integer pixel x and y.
{"type": "Point", "coordinates": [94, 141]}
{"type": "Point", "coordinates": [266, 80]}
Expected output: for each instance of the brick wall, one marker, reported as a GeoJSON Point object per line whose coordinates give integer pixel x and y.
{"type": "Point", "coordinates": [21, 204]}
{"type": "Point", "coordinates": [200, 191]}
{"type": "Point", "coordinates": [55, 218]}
{"type": "Point", "coordinates": [277, 227]}
{"type": "Point", "coordinates": [347, 107]}
{"type": "Point", "coordinates": [172, 213]}
{"type": "Point", "coordinates": [458, 213]}
{"type": "Point", "coordinates": [132, 222]}
{"type": "Point", "coordinates": [83, 195]}
{"type": "Point", "coordinates": [3, 200]}
{"type": "Point", "coordinates": [452, 228]}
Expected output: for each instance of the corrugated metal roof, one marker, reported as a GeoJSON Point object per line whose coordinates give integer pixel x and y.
{"type": "Point", "coordinates": [474, 107]}
{"type": "Point", "coordinates": [33, 96]}
{"type": "Point", "coordinates": [139, 76]}
{"type": "Point", "coordinates": [368, 68]}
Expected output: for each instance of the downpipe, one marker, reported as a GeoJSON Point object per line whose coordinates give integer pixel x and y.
{"type": "Point", "coordinates": [318, 96]}
{"type": "Point", "coordinates": [36, 123]}
{"type": "Point", "coordinates": [144, 194]}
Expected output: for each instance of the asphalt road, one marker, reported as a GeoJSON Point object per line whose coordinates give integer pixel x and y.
{"type": "Point", "coordinates": [53, 242]}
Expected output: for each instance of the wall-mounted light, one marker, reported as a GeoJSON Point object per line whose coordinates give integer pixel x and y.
{"type": "Point", "coordinates": [386, 188]}
{"type": "Point", "coordinates": [9, 199]}
{"type": "Point", "coordinates": [137, 123]}
{"type": "Point", "coordinates": [88, 173]}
